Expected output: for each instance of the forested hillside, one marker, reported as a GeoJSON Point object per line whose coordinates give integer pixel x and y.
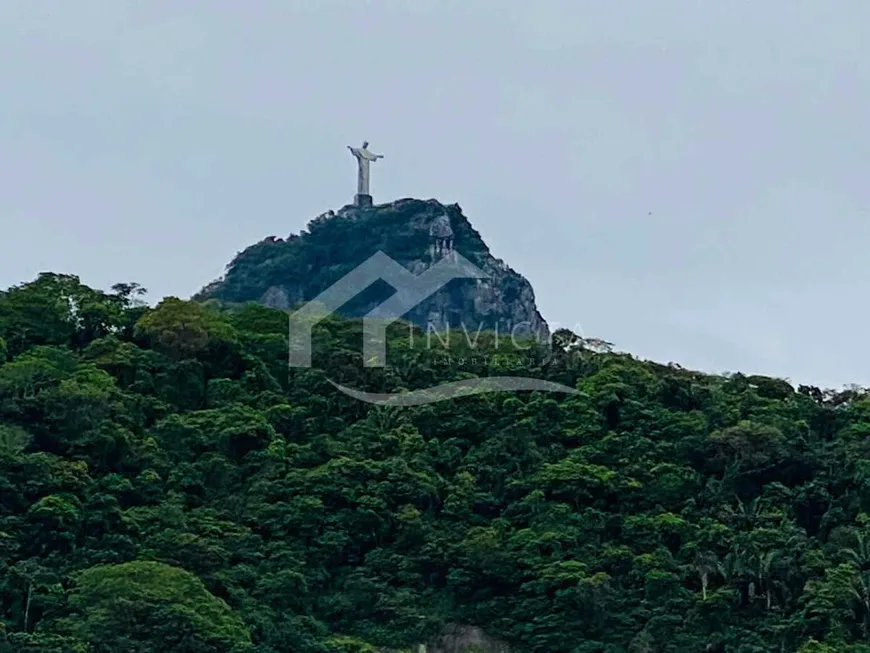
{"type": "Point", "coordinates": [168, 484]}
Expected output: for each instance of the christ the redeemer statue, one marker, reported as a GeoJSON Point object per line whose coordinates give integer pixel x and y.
{"type": "Point", "coordinates": [363, 158]}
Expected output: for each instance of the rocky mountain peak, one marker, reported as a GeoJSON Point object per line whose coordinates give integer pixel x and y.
{"type": "Point", "coordinates": [283, 273]}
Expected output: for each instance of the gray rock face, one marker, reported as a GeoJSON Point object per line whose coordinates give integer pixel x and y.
{"type": "Point", "coordinates": [466, 639]}
{"type": "Point", "coordinates": [416, 234]}
{"type": "Point", "coordinates": [458, 638]}
{"type": "Point", "coordinates": [440, 227]}
{"type": "Point", "coordinates": [281, 297]}
{"type": "Point", "coordinates": [275, 297]}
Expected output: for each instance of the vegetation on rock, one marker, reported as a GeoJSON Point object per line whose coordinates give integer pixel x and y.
{"type": "Point", "coordinates": [282, 273]}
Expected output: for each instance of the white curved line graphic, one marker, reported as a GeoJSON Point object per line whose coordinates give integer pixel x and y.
{"type": "Point", "coordinates": [455, 389]}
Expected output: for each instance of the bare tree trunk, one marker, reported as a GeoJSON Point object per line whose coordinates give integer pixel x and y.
{"type": "Point", "coordinates": [27, 606]}
{"type": "Point", "coordinates": [866, 614]}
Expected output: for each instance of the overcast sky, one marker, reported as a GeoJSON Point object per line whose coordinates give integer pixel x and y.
{"type": "Point", "coordinates": [689, 180]}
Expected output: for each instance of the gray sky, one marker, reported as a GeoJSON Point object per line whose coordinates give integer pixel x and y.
{"type": "Point", "coordinates": [150, 141]}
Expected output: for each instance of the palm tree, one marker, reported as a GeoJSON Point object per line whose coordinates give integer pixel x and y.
{"type": "Point", "coordinates": [763, 562]}
{"type": "Point", "coordinates": [859, 558]}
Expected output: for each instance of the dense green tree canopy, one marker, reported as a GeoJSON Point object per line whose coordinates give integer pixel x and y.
{"type": "Point", "coordinates": [168, 483]}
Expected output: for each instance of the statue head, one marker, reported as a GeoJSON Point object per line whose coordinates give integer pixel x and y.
{"type": "Point", "coordinates": [365, 144]}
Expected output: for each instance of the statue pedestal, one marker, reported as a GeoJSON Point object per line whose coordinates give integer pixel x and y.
{"type": "Point", "coordinates": [362, 200]}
